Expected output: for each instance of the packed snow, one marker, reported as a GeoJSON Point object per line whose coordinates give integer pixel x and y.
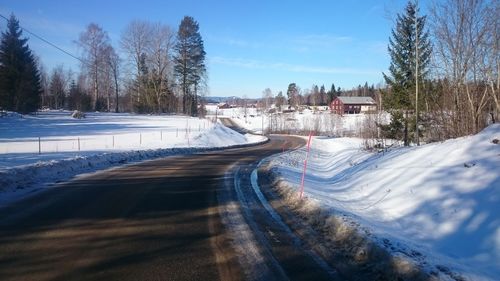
{"type": "Point", "coordinates": [438, 203]}
{"type": "Point", "coordinates": [51, 146]}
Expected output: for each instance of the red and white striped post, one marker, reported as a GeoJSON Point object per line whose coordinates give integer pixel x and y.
{"type": "Point", "coordinates": [305, 166]}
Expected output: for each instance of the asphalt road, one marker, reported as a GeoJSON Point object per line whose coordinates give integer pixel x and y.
{"type": "Point", "coordinates": [156, 220]}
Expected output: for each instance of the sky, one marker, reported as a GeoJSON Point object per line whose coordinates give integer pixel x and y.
{"type": "Point", "coordinates": [250, 45]}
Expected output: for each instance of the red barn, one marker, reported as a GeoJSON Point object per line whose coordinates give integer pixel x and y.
{"type": "Point", "coordinates": [352, 105]}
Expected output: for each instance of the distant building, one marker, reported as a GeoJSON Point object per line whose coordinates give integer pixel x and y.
{"type": "Point", "coordinates": [223, 106]}
{"type": "Point", "coordinates": [352, 105]}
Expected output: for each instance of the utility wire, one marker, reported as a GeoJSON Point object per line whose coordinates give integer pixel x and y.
{"type": "Point", "coordinates": [48, 42]}
{"type": "Point", "coordinates": [121, 79]}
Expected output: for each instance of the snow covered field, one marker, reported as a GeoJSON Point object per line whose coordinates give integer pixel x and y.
{"type": "Point", "coordinates": [69, 146]}
{"type": "Point", "coordinates": [438, 203]}
{"type": "Point", "coordinates": [320, 121]}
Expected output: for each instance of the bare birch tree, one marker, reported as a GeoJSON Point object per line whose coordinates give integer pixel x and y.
{"type": "Point", "coordinates": [136, 41]}
{"type": "Point", "coordinates": [160, 59]}
{"type": "Point", "coordinates": [466, 40]}
{"type": "Point", "coordinates": [267, 96]}
{"type": "Point", "coordinates": [113, 68]}
{"type": "Point", "coordinates": [58, 87]}
{"type": "Point", "coordinates": [94, 41]}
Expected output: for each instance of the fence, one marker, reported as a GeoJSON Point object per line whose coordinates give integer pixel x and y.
{"type": "Point", "coordinates": [125, 141]}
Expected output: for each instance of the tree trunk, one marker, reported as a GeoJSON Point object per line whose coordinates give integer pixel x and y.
{"type": "Point", "coordinates": [96, 91]}
{"type": "Point", "coordinates": [116, 92]}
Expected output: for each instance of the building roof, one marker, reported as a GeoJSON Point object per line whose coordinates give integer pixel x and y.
{"type": "Point", "coordinates": [357, 100]}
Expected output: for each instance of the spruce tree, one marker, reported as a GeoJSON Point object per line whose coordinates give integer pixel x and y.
{"type": "Point", "coordinates": [20, 86]}
{"type": "Point", "coordinates": [322, 94]}
{"type": "Point", "coordinates": [292, 93]}
{"type": "Point", "coordinates": [332, 94]}
{"type": "Point", "coordinates": [189, 63]}
{"type": "Point", "coordinates": [402, 69]}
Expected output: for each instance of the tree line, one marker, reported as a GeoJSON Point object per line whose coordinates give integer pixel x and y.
{"type": "Point", "coordinates": [443, 78]}
{"type": "Point", "coordinates": [162, 71]}
{"type": "Point", "coordinates": [316, 95]}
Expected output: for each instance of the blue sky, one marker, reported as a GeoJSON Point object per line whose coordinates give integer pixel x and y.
{"type": "Point", "coordinates": [250, 45]}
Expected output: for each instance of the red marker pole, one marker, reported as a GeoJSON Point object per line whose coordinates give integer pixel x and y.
{"type": "Point", "coordinates": [305, 166]}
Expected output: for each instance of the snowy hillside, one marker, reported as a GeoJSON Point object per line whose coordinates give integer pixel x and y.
{"type": "Point", "coordinates": [440, 201]}
{"type": "Point", "coordinates": [52, 146]}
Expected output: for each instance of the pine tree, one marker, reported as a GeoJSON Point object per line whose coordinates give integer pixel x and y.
{"type": "Point", "coordinates": [189, 61]}
{"type": "Point", "coordinates": [402, 70]}
{"type": "Point", "coordinates": [292, 93]}
{"type": "Point", "coordinates": [77, 98]}
{"type": "Point", "coordinates": [20, 85]}
{"type": "Point", "coordinates": [332, 94]}
{"type": "Point", "coordinates": [322, 94]}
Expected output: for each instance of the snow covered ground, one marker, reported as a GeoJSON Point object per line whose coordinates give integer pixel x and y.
{"type": "Point", "coordinates": [307, 120]}
{"type": "Point", "coordinates": [438, 203]}
{"type": "Point", "coordinates": [69, 146]}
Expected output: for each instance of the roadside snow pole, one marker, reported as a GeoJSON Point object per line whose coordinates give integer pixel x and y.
{"type": "Point", "coordinates": [39, 146]}
{"type": "Point", "coordinates": [78, 143]}
{"type": "Point", "coordinates": [113, 141]}
{"type": "Point", "coordinates": [305, 166]}
{"type": "Point", "coordinates": [262, 123]}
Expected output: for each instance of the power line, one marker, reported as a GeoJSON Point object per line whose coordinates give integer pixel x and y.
{"type": "Point", "coordinates": [48, 42]}
{"type": "Point", "coordinates": [61, 49]}
{"type": "Point", "coordinates": [87, 63]}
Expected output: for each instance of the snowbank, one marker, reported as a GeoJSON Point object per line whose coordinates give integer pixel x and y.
{"type": "Point", "coordinates": [438, 204]}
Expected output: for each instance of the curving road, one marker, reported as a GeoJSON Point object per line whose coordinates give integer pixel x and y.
{"type": "Point", "coordinates": [156, 220]}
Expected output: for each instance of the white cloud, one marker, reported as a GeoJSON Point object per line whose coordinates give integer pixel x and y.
{"type": "Point", "coordinates": [255, 64]}
{"type": "Point", "coordinates": [236, 42]}
{"type": "Point", "coordinates": [300, 44]}
{"type": "Point", "coordinates": [322, 40]}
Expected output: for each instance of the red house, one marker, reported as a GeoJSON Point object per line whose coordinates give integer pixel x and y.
{"type": "Point", "coordinates": [352, 105]}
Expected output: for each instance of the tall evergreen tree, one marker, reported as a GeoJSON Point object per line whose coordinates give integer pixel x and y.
{"type": "Point", "coordinates": [78, 99]}
{"type": "Point", "coordinates": [292, 94]}
{"type": "Point", "coordinates": [332, 94]}
{"type": "Point", "coordinates": [20, 86]}
{"type": "Point", "coordinates": [189, 63]}
{"type": "Point", "coordinates": [402, 70]}
{"type": "Point", "coordinates": [322, 94]}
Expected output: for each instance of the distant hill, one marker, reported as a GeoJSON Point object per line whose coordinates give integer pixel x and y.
{"type": "Point", "coordinates": [229, 100]}
{"type": "Point", "coordinates": [220, 99]}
